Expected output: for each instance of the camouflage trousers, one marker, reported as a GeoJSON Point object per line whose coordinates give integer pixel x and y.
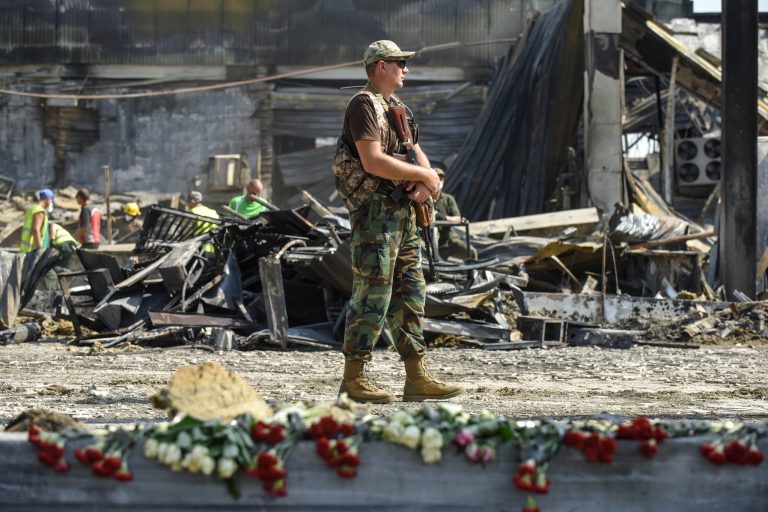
{"type": "Point", "coordinates": [388, 282]}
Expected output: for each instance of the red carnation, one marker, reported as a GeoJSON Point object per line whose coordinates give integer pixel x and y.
{"type": "Point", "coordinates": [100, 468]}
{"type": "Point", "coordinates": [736, 452]}
{"type": "Point", "coordinates": [346, 471]}
{"type": "Point", "coordinates": [112, 463]}
{"type": "Point", "coordinates": [541, 485]}
{"type": "Point", "coordinates": [260, 432]}
{"type": "Point", "coordinates": [56, 450]}
{"type": "Point", "coordinates": [347, 429]}
{"type": "Point", "coordinates": [350, 459]}
{"type": "Point", "coordinates": [94, 454]}
{"type": "Point", "coordinates": [574, 439]}
{"type": "Point", "coordinates": [524, 481]}
{"type": "Point", "coordinates": [47, 458]}
{"type": "Point", "coordinates": [643, 428]}
{"type": "Point", "coordinates": [276, 434]}
{"type": "Point", "coordinates": [323, 447]}
{"type": "Point", "coordinates": [717, 456]}
{"type": "Point", "coordinates": [266, 460]}
{"type": "Point", "coordinates": [527, 467]}
{"type": "Point", "coordinates": [123, 474]}
{"type": "Point", "coordinates": [61, 466]}
{"type": "Point", "coordinates": [754, 456]}
{"type": "Point", "coordinates": [530, 505]}
{"type": "Point", "coordinates": [275, 488]}
{"type": "Point", "coordinates": [82, 457]}
{"type": "Point", "coordinates": [273, 473]}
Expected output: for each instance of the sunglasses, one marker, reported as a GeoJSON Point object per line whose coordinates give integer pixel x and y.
{"type": "Point", "coordinates": [401, 63]}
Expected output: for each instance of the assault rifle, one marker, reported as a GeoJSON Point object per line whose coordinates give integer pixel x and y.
{"type": "Point", "coordinates": [423, 210]}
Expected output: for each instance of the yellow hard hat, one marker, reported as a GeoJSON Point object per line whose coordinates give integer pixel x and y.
{"type": "Point", "coordinates": [132, 209]}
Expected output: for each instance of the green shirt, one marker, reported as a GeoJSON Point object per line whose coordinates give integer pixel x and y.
{"type": "Point", "coordinates": [246, 208]}
{"type": "Point", "coordinates": [446, 206]}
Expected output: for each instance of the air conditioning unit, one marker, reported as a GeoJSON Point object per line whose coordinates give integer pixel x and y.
{"type": "Point", "coordinates": [697, 161]}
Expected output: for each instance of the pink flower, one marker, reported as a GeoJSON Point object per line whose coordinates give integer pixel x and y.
{"type": "Point", "coordinates": [486, 454]}
{"type": "Point", "coordinates": [472, 453]}
{"type": "Point", "coordinates": [463, 437]}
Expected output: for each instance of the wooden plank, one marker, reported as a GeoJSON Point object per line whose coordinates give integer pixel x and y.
{"type": "Point", "coordinates": [538, 221]}
{"type": "Point", "coordinates": [392, 477]}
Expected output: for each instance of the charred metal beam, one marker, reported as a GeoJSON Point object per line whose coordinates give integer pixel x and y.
{"type": "Point", "coordinates": [271, 274]}
{"type": "Point", "coordinates": [165, 319]}
{"type": "Point", "coordinates": [472, 330]}
{"type": "Point", "coordinates": [739, 90]}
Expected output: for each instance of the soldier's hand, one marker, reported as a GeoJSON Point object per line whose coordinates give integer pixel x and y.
{"type": "Point", "coordinates": [432, 181]}
{"type": "Point", "coordinates": [419, 192]}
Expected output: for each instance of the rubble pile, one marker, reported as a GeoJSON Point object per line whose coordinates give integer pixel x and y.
{"type": "Point", "coordinates": [281, 278]}
{"type": "Point", "coordinates": [284, 278]}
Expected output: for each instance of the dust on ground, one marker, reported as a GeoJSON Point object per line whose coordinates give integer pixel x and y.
{"type": "Point", "coordinates": [111, 386]}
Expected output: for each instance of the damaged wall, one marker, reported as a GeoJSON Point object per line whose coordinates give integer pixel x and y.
{"type": "Point", "coordinates": [156, 144]}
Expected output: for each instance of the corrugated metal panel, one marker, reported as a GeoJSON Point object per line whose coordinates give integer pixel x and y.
{"type": "Point", "coordinates": [446, 114]}
{"type": "Point", "coordinates": [251, 32]}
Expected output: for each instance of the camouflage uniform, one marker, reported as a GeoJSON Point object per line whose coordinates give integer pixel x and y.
{"type": "Point", "coordinates": [388, 283]}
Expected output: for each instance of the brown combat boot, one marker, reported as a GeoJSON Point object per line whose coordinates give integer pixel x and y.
{"type": "Point", "coordinates": [420, 385]}
{"type": "Point", "coordinates": [359, 388]}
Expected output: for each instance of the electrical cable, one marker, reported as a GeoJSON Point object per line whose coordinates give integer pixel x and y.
{"type": "Point", "coordinates": [239, 83]}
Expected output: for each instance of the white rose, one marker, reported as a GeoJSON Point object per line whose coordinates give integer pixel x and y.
{"type": "Point", "coordinates": [393, 432]}
{"type": "Point", "coordinates": [402, 417]}
{"type": "Point", "coordinates": [431, 455]}
{"type": "Point", "coordinates": [452, 409]}
{"type": "Point", "coordinates": [207, 465]}
{"type": "Point", "coordinates": [162, 451]}
{"type": "Point", "coordinates": [199, 450]}
{"type": "Point", "coordinates": [173, 455]}
{"type": "Point", "coordinates": [411, 437]}
{"type": "Point", "coordinates": [150, 448]}
{"type": "Point", "coordinates": [227, 467]}
{"type": "Point", "coordinates": [432, 438]}
{"type": "Point", "coordinates": [189, 462]}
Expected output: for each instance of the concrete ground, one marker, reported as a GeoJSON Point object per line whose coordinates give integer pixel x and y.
{"type": "Point", "coordinates": [713, 381]}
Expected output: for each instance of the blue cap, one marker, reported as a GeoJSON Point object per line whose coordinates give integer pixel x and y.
{"type": "Point", "coordinates": [46, 193]}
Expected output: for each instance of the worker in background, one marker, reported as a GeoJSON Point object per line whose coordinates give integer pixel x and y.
{"type": "Point", "coordinates": [65, 243]}
{"type": "Point", "coordinates": [132, 213]}
{"type": "Point", "coordinates": [247, 204]}
{"type": "Point", "coordinates": [446, 208]}
{"type": "Point", "coordinates": [35, 234]}
{"type": "Point", "coordinates": [195, 205]}
{"type": "Point", "coordinates": [89, 224]}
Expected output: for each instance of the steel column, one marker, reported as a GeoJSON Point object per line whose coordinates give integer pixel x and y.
{"type": "Point", "coordinates": [739, 182]}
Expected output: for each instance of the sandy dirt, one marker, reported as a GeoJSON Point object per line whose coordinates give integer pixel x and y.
{"type": "Point", "coordinates": [113, 386]}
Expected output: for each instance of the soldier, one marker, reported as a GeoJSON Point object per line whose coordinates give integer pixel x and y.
{"type": "Point", "coordinates": [388, 283]}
